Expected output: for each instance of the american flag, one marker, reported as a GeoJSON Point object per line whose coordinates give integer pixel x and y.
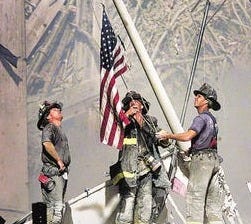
{"type": "Point", "coordinates": [113, 65]}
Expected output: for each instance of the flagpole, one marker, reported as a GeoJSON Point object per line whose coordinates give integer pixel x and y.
{"type": "Point", "coordinates": [159, 91]}
{"type": "Point", "coordinates": [153, 78]}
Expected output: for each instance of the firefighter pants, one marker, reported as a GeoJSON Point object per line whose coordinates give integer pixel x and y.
{"type": "Point", "coordinates": [54, 200]}
{"type": "Point", "coordinates": [204, 199]}
{"type": "Point", "coordinates": [136, 203]}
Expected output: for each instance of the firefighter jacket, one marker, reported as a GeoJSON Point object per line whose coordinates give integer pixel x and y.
{"type": "Point", "coordinates": [140, 149]}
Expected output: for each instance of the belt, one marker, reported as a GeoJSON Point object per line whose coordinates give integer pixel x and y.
{"type": "Point", "coordinates": [206, 150]}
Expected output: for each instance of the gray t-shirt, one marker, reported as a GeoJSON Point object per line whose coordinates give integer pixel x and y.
{"type": "Point", "coordinates": [55, 134]}
{"type": "Point", "coordinates": [206, 130]}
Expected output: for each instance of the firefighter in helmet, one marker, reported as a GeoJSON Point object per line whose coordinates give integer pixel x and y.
{"type": "Point", "coordinates": [143, 173]}
{"type": "Point", "coordinates": [55, 158]}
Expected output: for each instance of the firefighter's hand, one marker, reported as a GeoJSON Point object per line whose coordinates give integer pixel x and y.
{"type": "Point", "coordinates": [132, 111]}
{"type": "Point", "coordinates": [162, 135]}
{"type": "Point", "coordinates": [61, 165]}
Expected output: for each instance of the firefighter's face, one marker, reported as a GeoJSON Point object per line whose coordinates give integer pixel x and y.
{"type": "Point", "coordinates": [55, 114]}
{"type": "Point", "coordinates": [199, 100]}
{"type": "Point", "coordinates": [136, 105]}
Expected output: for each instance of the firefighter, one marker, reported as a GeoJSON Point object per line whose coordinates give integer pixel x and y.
{"type": "Point", "coordinates": [55, 158]}
{"type": "Point", "coordinates": [203, 194]}
{"type": "Point", "coordinates": [141, 166]}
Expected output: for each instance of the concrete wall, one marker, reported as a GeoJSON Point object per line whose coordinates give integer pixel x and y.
{"type": "Point", "coordinates": [13, 124]}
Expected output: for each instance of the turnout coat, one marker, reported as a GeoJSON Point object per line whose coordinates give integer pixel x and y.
{"type": "Point", "coordinates": [139, 145]}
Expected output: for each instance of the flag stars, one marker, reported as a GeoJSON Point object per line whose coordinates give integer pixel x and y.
{"type": "Point", "coordinates": [108, 43]}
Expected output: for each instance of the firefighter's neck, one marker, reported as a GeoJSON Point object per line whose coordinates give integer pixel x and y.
{"type": "Point", "coordinates": [56, 122]}
{"type": "Point", "coordinates": [203, 108]}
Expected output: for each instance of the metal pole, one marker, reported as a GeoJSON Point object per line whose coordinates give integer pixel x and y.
{"type": "Point", "coordinates": [150, 71]}
{"type": "Point", "coordinates": [202, 29]}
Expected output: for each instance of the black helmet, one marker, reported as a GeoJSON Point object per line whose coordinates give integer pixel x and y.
{"type": "Point", "coordinates": [209, 93]}
{"type": "Point", "coordinates": [43, 112]}
{"type": "Point", "coordinates": [132, 95]}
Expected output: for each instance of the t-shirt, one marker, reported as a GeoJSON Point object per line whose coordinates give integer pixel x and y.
{"type": "Point", "coordinates": [55, 134]}
{"type": "Point", "coordinates": [205, 128]}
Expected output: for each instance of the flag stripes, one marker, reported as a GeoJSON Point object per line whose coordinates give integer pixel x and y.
{"type": "Point", "coordinates": [112, 66]}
